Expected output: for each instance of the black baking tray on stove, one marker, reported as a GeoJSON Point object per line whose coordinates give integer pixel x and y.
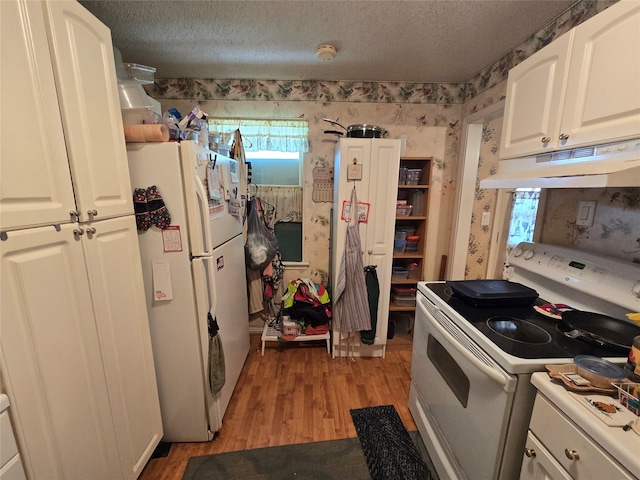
{"type": "Point", "coordinates": [493, 293]}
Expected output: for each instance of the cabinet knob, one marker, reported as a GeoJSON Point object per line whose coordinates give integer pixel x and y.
{"type": "Point", "coordinates": [78, 231]}
{"type": "Point", "coordinates": [530, 452]}
{"type": "Point", "coordinates": [563, 137]}
{"type": "Point", "coordinates": [571, 454]}
{"type": "Point", "coordinates": [545, 139]}
{"type": "Point", "coordinates": [75, 214]}
{"type": "Point", "coordinates": [92, 213]}
{"type": "Point", "coordinates": [91, 230]}
{"type": "Point", "coordinates": [370, 252]}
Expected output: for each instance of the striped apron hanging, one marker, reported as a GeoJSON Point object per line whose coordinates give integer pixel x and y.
{"type": "Point", "coordinates": [351, 307]}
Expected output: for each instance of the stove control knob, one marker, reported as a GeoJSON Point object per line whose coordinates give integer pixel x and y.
{"type": "Point", "coordinates": [528, 254]}
{"type": "Point", "coordinates": [517, 252]}
{"type": "Point", "coordinates": [636, 290]}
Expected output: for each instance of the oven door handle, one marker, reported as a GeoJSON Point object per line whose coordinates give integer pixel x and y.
{"type": "Point", "coordinates": [507, 383]}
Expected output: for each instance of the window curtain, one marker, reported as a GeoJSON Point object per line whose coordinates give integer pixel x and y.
{"type": "Point", "coordinates": [280, 204]}
{"type": "Point", "coordinates": [274, 135]}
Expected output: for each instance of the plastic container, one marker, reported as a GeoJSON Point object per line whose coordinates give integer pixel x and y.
{"type": "Point", "coordinates": [404, 301]}
{"type": "Point", "coordinates": [402, 176]}
{"type": "Point", "coordinates": [139, 73]}
{"type": "Point", "coordinates": [400, 235]}
{"type": "Point", "coordinates": [414, 271]}
{"type": "Point", "coordinates": [409, 230]}
{"type": "Point", "coordinates": [399, 246]}
{"type": "Point", "coordinates": [405, 291]}
{"type": "Point", "coordinates": [399, 273]}
{"type": "Point", "coordinates": [411, 247]}
{"type": "Point", "coordinates": [413, 176]}
{"type": "Point", "coordinates": [403, 210]}
{"type": "Point", "coordinates": [417, 200]}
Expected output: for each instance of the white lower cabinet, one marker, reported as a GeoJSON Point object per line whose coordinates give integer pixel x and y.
{"type": "Point", "coordinates": [558, 449]}
{"type": "Point", "coordinates": [76, 354]}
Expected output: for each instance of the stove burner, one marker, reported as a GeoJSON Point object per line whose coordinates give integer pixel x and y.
{"type": "Point", "coordinates": [518, 330]}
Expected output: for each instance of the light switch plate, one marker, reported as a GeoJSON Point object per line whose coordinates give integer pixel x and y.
{"type": "Point", "coordinates": [586, 212]}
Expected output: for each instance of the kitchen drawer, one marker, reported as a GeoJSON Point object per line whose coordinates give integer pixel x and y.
{"type": "Point", "coordinates": [557, 433]}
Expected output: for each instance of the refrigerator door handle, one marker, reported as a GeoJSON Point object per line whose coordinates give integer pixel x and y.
{"type": "Point", "coordinates": [203, 284]}
{"type": "Point", "coordinates": [197, 201]}
{"type": "Point", "coordinates": [203, 200]}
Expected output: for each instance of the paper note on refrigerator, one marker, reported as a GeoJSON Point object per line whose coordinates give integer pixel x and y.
{"type": "Point", "coordinates": [162, 289]}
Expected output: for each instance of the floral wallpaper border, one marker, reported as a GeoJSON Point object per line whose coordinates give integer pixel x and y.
{"type": "Point", "coordinates": [377, 92]}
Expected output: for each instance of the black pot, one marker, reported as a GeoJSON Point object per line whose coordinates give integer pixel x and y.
{"type": "Point", "coordinates": [363, 130]}
{"type": "Point", "coordinates": [360, 130]}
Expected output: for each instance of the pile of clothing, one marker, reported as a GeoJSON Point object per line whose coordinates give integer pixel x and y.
{"type": "Point", "coordinates": [308, 303]}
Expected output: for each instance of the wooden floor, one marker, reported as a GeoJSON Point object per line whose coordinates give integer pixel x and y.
{"type": "Point", "coordinates": [296, 393]}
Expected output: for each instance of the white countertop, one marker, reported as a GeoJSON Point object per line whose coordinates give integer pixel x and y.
{"type": "Point", "coordinates": [621, 445]}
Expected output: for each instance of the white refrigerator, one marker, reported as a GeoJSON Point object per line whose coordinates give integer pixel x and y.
{"type": "Point", "coordinates": [194, 268]}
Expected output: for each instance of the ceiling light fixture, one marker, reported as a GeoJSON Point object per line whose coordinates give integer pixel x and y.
{"type": "Point", "coordinates": [326, 52]}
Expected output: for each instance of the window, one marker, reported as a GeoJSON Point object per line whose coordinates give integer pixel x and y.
{"type": "Point", "coordinates": [275, 168]}
{"type": "Point", "coordinates": [275, 149]}
{"type": "Point", "coordinates": [523, 216]}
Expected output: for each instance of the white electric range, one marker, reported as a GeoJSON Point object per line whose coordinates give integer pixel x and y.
{"type": "Point", "coordinates": [471, 395]}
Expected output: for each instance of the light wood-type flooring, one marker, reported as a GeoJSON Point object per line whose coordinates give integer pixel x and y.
{"type": "Point", "coordinates": [296, 393]}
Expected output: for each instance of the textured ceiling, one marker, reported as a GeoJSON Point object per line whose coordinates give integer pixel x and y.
{"type": "Point", "coordinates": [391, 40]}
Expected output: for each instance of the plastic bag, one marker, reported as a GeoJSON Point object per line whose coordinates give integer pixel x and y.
{"type": "Point", "coordinates": [262, 244]}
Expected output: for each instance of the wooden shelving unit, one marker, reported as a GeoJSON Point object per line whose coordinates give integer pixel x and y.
{"type": "Point", "coordinates": [419, 222]}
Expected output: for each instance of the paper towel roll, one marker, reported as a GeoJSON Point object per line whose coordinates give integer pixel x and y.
{"type": "Point", "coordinates": [156, 132]}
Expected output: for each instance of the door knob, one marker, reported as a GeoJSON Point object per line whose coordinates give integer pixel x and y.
{"type": "Point", "coordinates": [530, 452]}
{"type": "Point", "coordinates": [571, 454]}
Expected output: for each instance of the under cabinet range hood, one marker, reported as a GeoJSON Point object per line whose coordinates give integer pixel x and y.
{"type": "Point", "coordinates": [607, 165]}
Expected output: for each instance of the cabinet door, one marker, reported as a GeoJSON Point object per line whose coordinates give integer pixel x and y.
{"type": "Point", "coordinates": [535, 90]}
{"type": "Point", "coordinates": [378, 245]}
{"type": "Point", "coordinates": [87, 87]}
{"type": "Point", "coordinates": [35, 182]}
{"type": "Point", "coordinates": [51, 365]}
{"type": "Point", "coordinates": [539, 464]}
{"type": "Point", "coordinates": [602, 102]}
{"type": "Point", "coordinates": [115, 277]}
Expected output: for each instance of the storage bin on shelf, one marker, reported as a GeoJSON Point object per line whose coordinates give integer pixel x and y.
{"type": "Point", "coordinates": [399, 273]}
{"type": "Point", "coordinates": [399, 246]}
{"type": "Point", "coordinates": [413, 176]}
{"type": "Point", "coordinates": [404, 300]}
{"type": "Point", "coordinates": [403, 210]}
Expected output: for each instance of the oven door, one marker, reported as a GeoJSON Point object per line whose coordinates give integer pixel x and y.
{"type": "Point", "coordinates": [463, 398]}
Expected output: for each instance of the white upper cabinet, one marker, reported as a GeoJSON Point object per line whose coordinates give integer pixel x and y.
{"type": "Point", "coordinates": [57, 119]}
{"type": "Point", "coordinates": [35, 183]}
{"type": "Point", "coordinates": [581, 89]}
